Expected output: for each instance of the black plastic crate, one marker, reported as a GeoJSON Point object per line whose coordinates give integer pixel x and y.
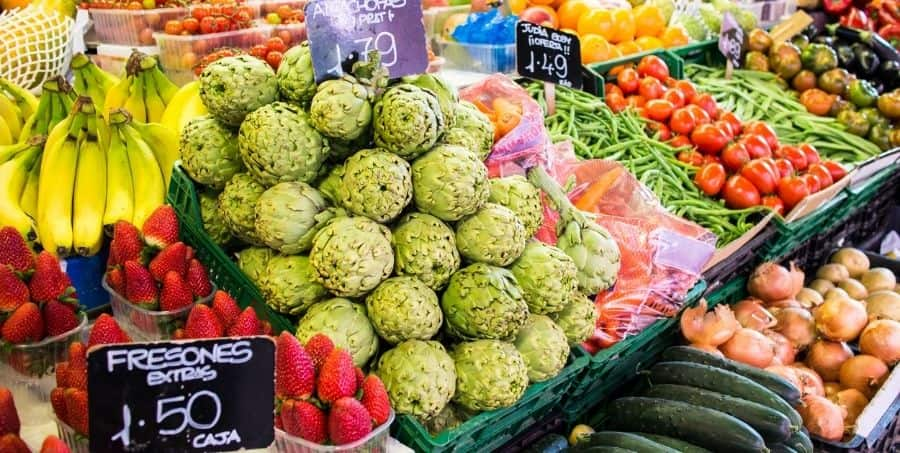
{"type": "Point", "coordinates": [554, 423]}
{"type": "Point", "coordinates": [741, 262]}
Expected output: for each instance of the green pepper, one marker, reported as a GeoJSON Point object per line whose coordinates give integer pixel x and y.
{"type": "Point", "coordinates": [818, 58]}
{"type": "Point", "coordinates": [874, 117]}
{"type": "Point", "coordinates": [862, 93]}
{"type": "Point", "coordinates": [855, 122]}
{"type": "Point", "coordinates": [880, 135]}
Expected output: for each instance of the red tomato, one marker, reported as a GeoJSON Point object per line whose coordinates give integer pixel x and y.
{"type": "Point", "coordinates": [725, 127]}
{"type": "Point", "coordinates": [659, 109]}
{"type": "Point", "coordinates": [837, 170]}
{"type": "Point", "coordinates": [636, 100]}
{"type": "Point", "coordinates": [691, 157]}
{"type": "Point", "coordinates": [797, 157]}
{"type": "Point", "coordinates": [686, 87]}
{"type": "Point", "coordinates": [223, 23]}
{"type": "Point", "coordinates": [660, 130]}
{"type": "Point", "coordinates": [820, 171]}
{"type": "Point", "coordinates": [791, 190]}
{"type": "Point", "coordinates": [700, 115]}
{"type": "Point", "coordinates": [762, 176]}
{"type": "Point", "coordinates": [200, 11]}
{"type": "Point", "coordinates": [707, 103]}
{"type": "Point", "coordinates": [711, 159]}
{"type": "Point", "coordinates": [275, 44]}
{"type": "Point", "coordinates": [740, 193]}
{"type": "Point", "coordinates": [812, 155]}
{"type": "Point", "coordinates": [651, 88]}
{"type": "Point", "coordinates": [682, 121]}
{"type": "Point", "coordinates": [709, 138]}
{"type": "Point", "coordinates": [628, 81]}
{"type": "Point", "coordinates": [734, 156]}
{"type": "Point", "coordinates": [781, 150]}
{"type": "Point", "coordinates": [208, 25]}
{"type": "Point", "coordinates": [670, 81]}
{"type": "Point", "coordinates": [710, 178]}
{"type": "Point", "coordinates": [612, 89]}
{"type": "Point", "coordinates": [761, 128]}
{"type": "Point", "coordinates": [785, 168]}
{"type": "Point", "coordinates": [173, 27]}
{"type": "Point", "coordinates": [774, 203]}
{"type": "Point", "coordinates": [616, 102]}
{"type": "Point", "coordinates": [653, 66]}
{"type": "Point", "coordinates": [680, 141]}
{"type": "Point", "coordinates": [676, 97]}
{"type": "Point", "coordinates": [734, 121]}
{"type": "Point", "coordinates": [756, 146]}
{"type": "Point", "coordinates": [642, 112]}
{"type": "Point", "coordinates": [191, 25]}
{"type": "Point", "coordinates": [812, 183]}
{"type": "Point", "coordinates": [274, 59]}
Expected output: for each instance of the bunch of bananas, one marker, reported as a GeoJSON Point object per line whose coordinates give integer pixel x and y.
{"type": "Point", "coordinates": [90, 80]}
{"type": "Point", "coordinates": [16, 106]}
{"type": "Point", "coordinates": [54, 105]}
{"type": "Point", "coordinates": [19, 167]}
{"type": "Point", "coordinates": [185, 106]}
{"type": "Point", "coordinates": [144, 92]}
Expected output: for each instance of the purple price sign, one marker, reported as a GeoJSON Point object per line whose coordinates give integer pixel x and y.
{"type": "Point", "coordinates": [343, 31]}
{"type": "Point", "coordinates": [731, 39]}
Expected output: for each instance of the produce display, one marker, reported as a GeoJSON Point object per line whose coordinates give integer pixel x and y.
{"type": "Point", "coordinates": [11, 428]}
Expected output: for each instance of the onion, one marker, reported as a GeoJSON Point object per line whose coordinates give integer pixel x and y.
{"type": "Point", "coordinates": [881, 339]}
{"type": "Point", "coordinates": [785, 352]}
{"type": "Point", "coordinates": [797, 325]}
{"type": "Point", "coordinates": [865, 373]}
{"type": "Point", "coordinates": [784, 303]}
{"type": "Point", "coordinates": [710, 328]}
{"type": "Point", "coordinates": [831, 389]}
{"type": "Point", "coordinates": [797, 276]}
{"type": "Point", "coordinates": [751, 314]}
{"type": "Point", "coordinates": [836, 293]}
{"type": "Point", "coordinates": [821, 286]}
{"type": "Point", "coordinates": [750, 347]}
{"type": "Point", "coordinates": [852, 402]}
{"type": "Point", "coordinates": [879, 278]}
{"type": "Point", "coordinates": [856, 262]}
{"type": "Point", "coordinates": [833, 272]}
{"type": "Point", "coordinates": [771, 282]}
{"type": "Point", "coordinates": [707, 348]}
{"type": "Point", "coordinates": [822, 417]}
{"type": "Point", "coordinates": [810, 381]}
{"type": "Point", "coordinates": [789, 373]}
{"type": "Point", "coordinates": [854, 289]}
{"type": "Point", "coordinates": [809, 298]}
{"type": "Point", "coordinates": [841, 319]}
{"type": "Point", "coordinates": [826, 358]}
{"type": "Point", "coordinates": [883, 305]}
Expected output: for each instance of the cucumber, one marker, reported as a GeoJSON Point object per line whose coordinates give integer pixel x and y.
{"type": "Point", "coordinates": [800, 442]}
{"type": "Point", "coordinates": [781, 448]}
{"type": "Point", "coordinates": [777, 384]}
{"type": "Point", "coordinates": [707, 428]}
{"type": "Point", "coordinates": [624, 440]}
{"type": "Point", "coordinates": [551, 443]}
{"type": "Point", "coordinates": [677, 444]}
{"type": "Point", "coordinates": [722, 381]}
{"type": "Point", "coordinates": [772, 425]}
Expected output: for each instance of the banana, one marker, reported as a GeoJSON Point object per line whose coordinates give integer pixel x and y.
{"type": "Point", "coordinates": [185, 106]}
{"type": "Point", "coordinates": [26, 101]}
{"type": "Point", "coordinates": [6, 137]}
{"type": "Point", "coordinates": [145, 174]}
{"type": "Point", "coordinates": [7, 152]}
{"type": "Point", "coordinates": [167, 89]}
{"type": "Point", "coordinates": [13, 176]}
{"type": "Point", "coordinates": [54, 105]}
{"type": "Point", "coordinates": [153, 101]}
{"type": "Point", "coordinates": [89, 200]}
{"type": "Point", "coordinates": [135, 103]}
{"type": "Point", "coordinates": [12, 116]}
{"type": "Point", "coordinates": [119, 186]}
{"type": "Point", "coordinates": [90, 80]}
{"type": "Point", "coordinates": [164, 144]}
{"type": "Point", "coordinates": [116, 96]}
{"type": "Point", "coordinates": [28, 200]}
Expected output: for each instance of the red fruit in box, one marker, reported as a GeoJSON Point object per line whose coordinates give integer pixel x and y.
{"type": "Point", "coordinates": [175, 294]}
{"type": "Point", "coordinates": [13, 292]}
{"type": "Point", "coordinates": [9, 417]}
{"type": "Point", "coordinates": [53, 444]}
{"type": "Point", "coordinates": [58, 402]}
{"type": "Point", "coordinates": [304, 420]}
{"type": "Point", "coordinates": [318, 347]}
{"type": "Point", "coordinates": [225, 307]}
{"type": "Point", "coordinates": [140, 289]}
{"type": "Point", "coordinates": [348, 421]}
{"type": "Point", "coordinates": [375, 399]}
{"type": "Point", "coordinates": [62, 374]}
{"type": "Point", "coordinates": [14, 251]}
{"type": "Point", "coordinates": [198, 279]}
{"type": "Point", "coordinates": [161, 228]}
{"type": "Point", "coordinates": [115, 278]}
{"type": "Point", "coordinates": [170, 259]}
{"type": "Point", "coordinates": [337, 378]}
{"type": "Point", "coordinates": [77, 410]}
{"type": "Point", "coordinates": [126, 244]}
{"type": "Point", "coordinates": [202, 322]}
{"type": "Point", "coordinates": [246, 324]}
{"type": "Point", "coordinates": [360, 377]}
{"type": "Point", "coordinates": [78, 352]}
{"type": "Point", "coordinates": [295, 373]}
{"type": "Point", "coordinates": [49, 282]}
{"type": "Point", "coordinates": [59, 318]}
{"type": "Point", "coordinates": [106, 331]}
{"type": "Point", "coordinates": [25, 325]}
{"type": "Point", "coordinates": [11, 443]}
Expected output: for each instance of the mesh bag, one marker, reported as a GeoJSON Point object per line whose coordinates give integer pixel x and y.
{"type": "Point", "coordinates": [35, 45]}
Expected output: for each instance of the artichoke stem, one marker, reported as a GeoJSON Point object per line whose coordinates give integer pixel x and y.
{"type": "Point", "coordinates": [567, 211]}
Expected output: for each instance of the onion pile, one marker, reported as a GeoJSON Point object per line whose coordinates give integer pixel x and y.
{"type": "Point", "coordinates": [881, 339]}
{"type": "Point", "coordinates": [822, 417]}
{"type": "Point", "coordinates": [771, 282]}
{"type": "Point", "coordinates": [841, 319]}
{"type": "Point", "coordinates": [797, 325]}
{"type": "Point", "coordinates": [826, 358]}
{"type": "Point", "coordinates": [751, 314]}
{"type": "Point", "coordinates": [852, 402]}
{"type": "Point", "coordinates": [750, 347]}
{"type": "Point", "coordinates": [864, 373]}
{"type": "Point", "coordinates": [708, 328]}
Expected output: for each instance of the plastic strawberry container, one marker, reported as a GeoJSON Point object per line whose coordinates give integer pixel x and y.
{"type": "Point", "coordinates": [76, 442]}
{"type": "Point", "coordinates": [132, 27]}
{"type": "Point", "coordinates": [148, 325]}
{"type": "Point", "coordinates": [376, 441]}
{"type": "Point", "coordinates": [178, 54]}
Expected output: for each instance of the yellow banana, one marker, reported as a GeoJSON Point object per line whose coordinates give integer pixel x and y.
{"type": "Point", "coordinates": [7, 152]}
{"type": "Point", "coordinates": [12, 116]}
{"type": "Point", "coordinates": [54, 106]}
{"type": "Point", "coordinates": [28, 200]}
{"type": "Point", "coordinates": [185, 106]}
{"type": "Point", "coordinates": [152, 99]}
{"type": "Point", "coordinates": [6, 137]}
{"type": "Point", "coordinates": [135, 103]}
{"type": "Point", "coordinates": [89, 200]}
{"type": "Point", "coordinates": [26, 101]}
{"type": "Point", "coordinates": [164, 144]}
{"type": "Point", "coordinates": [90, 80]}
{"type": "Point", "coordinates": [13, 176]}
{"type": "Point", "coordinates": [167, 89]}
{"type": "Point", "coordinates": [150, 190]}
{"type": "Point", "coordinates": [119, 186]}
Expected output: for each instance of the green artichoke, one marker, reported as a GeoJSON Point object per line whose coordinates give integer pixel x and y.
{"type": "Point", "coordinates": [341, 108]}
{"type": "Point", "coordinates": [375, 184]}
{"type": "Point", "coordinates": [448, 418]}
{"type": "Point", "coordinates": [278, 144]}
{"type": "Point", "coordinates": [447, 95]}
{"type": "Point", "coordinates": [330, 184]}
{"type": "Point", "coordinates": [425, 247]}
{"type": "Point", "coordinates": [342, 149]}
{"type": "Point", "coordinates": [295, 76]}
{"type": "Point", "coordinates": [449, 183]}
{"type": "Point", "coordinates": [578, 319]}
{"type": "Point", "coordinates": [419, 376]}
{"type": "Point", "coordinates": [352, 255]}
{"type": "Point", "coordinates": [289, 284]}
{"type": "Point", "coordinates": [517, 194]}
{"type": "Point", "coordinates": [288, 216]}
{"type": "Point", "coordinates": [404, 308]}
{"type": "Point", "coordinates": [544, 347]}
{"type": "Point", "coordinates": [490, 374]}
{"type": "Point", "coordinates": [345, 323]}
{"type": "Point", "coordinates": [547, 277]}
{"type": "Point", "coordinates": [483, 301]}
{"type": "Point", "coordinates": [233, 87]}
{"type": "Point", "coordinates": [408, 121]}
{"type": "Point", "coordinates": [471, 129]}
{"type": "Point", "coordinates": [213, 223]}
{"type": "Point", "coordinates": [493, 235]}
{"type": "Point", "coordinates": [237, 207]}
{"type": "Point", "coordinates": [209, 152]}
{"type": "Point", "coordinates": [253, 262]}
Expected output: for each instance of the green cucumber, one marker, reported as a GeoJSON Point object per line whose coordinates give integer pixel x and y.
{"type": "Point", "coordinates": [624, 440]}
{"type": "Point", "coordinates": [722, 381]}
{"type": "Point", "coordinates": [800, 442]}
{"type": "Point", "coordinates": [777, 384]}
{"type": "Point", "coordinates": [772, 425]}
{"type": "Point", "coordinates": [707, 428]}
{"type": "Point", "coordinates": [677, 444]}
{"type": "Point", "coordinates": [781, 448]}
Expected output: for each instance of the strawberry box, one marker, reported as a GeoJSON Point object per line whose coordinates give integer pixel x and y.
{"type": "Point", "coordinates": [76, 442]}
{"type": "Point", "coordinates": [377, 440]}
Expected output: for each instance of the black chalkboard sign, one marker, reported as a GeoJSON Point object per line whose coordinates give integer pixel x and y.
{"type": "Point", "coordinates": [201, 395]}
{"type": "Point", "coordinates": [547, 54]}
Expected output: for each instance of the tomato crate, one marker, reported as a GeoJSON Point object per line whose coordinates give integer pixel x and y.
{"type": "Point", "coordinates": [597, 74]}
{"type": "Point", "coordinates": [702, 52]}
{"type": "Point", "coordinates": [488, 431]}
{"type": "Point", "coordinates": [127, 27]}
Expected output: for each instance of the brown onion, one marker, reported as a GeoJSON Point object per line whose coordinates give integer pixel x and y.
{"type": "Point", "coordinates": [783, 303]}
{"type": "Point", "coordinates": [809, 298]}
{"type": "Point", "coordinates": [710, 328]}
{"type": "Point", "coordinates": [826, 358]}
{"type": "Point", "coordinates": [785, 353]}
{"type": "Point", "coordinates": [751, 314]}
{"type": "Point", "coordinates": [797, 325]}
{"type": "Point", "coordinates": [883, 305]}
{"type": "Point", "coordinates": [821, 286]}
{"type": "Point", "coordinates": [822, 417]}
{"type": "Point", "coordinates": [833, 272]}
{"type": "Point", "coordinates": [810, 381]}
{"type": "Point", "coordinates": [831, 389]}
{"type": "Point", "coordinates": [881, 339]}
{"type": "Point", "coordinates": [841, 319]}
{"type": "Point", "coordinates": [750, 347]}
{"type": "Point", "coordinates": [797, 276]}
{"type": "Point", "coordinates": [771, 282]}
{"type": "Point", "coordinates": [879, 278]}
{"type": "Point", "coordinates": [789, 373]}
{"type": "Point", "coordinates": [856, 262]}
{"type": "Point", "coordinates": [853, 402]}
{"type": "Point", "coordinates": [865, 373]}
{"type": "Point", "coordinates": [707, 348]}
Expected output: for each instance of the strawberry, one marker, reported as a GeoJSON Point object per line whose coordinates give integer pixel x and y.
{"type": "Point", "coordinates": [49, 282]}
{"type": "Point", "coordinates": [13, 292]}
{"type": "Point", "coordinates": [198, 279]}
{"type": "Point", "coordinates": [9, 418]}
{"type": "Point", "coordinates": [126, 245]}
{"type": "Point", "coordinates": [169, 259]}
{"type": "Point", "coordinates": [62, 374]}
{"type": "Point", "coordinates": [178, 334]}
{"type": "Point", "coordinates": [337, 378]}
{"type": "Point", "coordinates": [304, 420]}
{"type": "Point", "coordinates": [14, 251]}
{"type": "Point", "coordinates": [348, 421]}
{"type": "Point", "coordinates": [202, 322]}
{"type": "Point", "coordinates": [189, 253]}
{"type": "Point", "coordinates": [58, 402]}
{"type": "Point", "coordinates": [59, 318]}
{"type": "Point", "coordinates": [11, 443]}
{"type": "Point", "coordinates": [78, 352]}
{"type": "Point", "coordinates": [360, 377]}
{"type": "Point", "coordinates": [161, 228]}
{"type": "Point", "coordinates": [24, 325]}
{"type": "Point", "coordinates": [77, 409]}
{"type": "Point", "coordinates": [115, 278]}
{"type": "Point", "coordinates": [318, 347]}
{"type": "Point", "coordinates": [246, 324]}
{"type": "Point", "coordinates": [375, 399]}
{"type": "Point", "coordinates": [140, 289]}
{"type": "Point", "coordinates": [294, 371]}
{"type": "Point", "coordinates": [106, 331]}
{"type": "Point", "coordinates": [53, 444]}
{"type": "Point", "coordinates": [225, 306]}
{"type": "Point", "coordinates": [175, 293]}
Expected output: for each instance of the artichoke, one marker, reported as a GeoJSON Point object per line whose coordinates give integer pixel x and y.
{"type": "Point", "coordinates": [288, 216]}
{"type": "Point", "coordinates": [289, 284]}
{"type": "Point", "coordinates": [420, 377]}
{"type": "Point", "coordinates": [493, 235]}
{"type": "Point", "coordinates": [449, 183]}
{"type": "Point", "coordinates": [471, 129]}
{"type": "Point", "coordinates": [517, 194]}
{"type": "Point", "coordinates": [330, 184]}
{"type": "Point", "coordinates": [578, 319]}
{"type": "Point", "coordinates": [408, 121]}
{"type": "Point", "coordinates": [490, 374]}
{"type": "Point", "coordinates": [483, 301]}
{"type": "Point", "coordinates": [253, 262]}
{"type": "Point", "coordinates": [595, 252]}
{"type": "Point", "coordinates": [352, 255]}
{"type": "Point", "coordinates": [547, 277]}
{"type": "Point", "coordinates": [233, 87]}
{"type": "Point", "coordinates": [295, 75]}
{"type": "Point", "coordinates": [237, 206]}
{"type": "Point", "coordinates": [345, 323]}
{"type": "Point", "coordinates": [278, 144]}
{"type": "Point", "coordinates": [342, 149]}
{"type": "Point", "coordinates": [209, 152]}
{"type": "Point", "coordinates": [449, 417]}
{"type": "Point", "coordinates": [425, 247]}
{"type": "Point", "coordinates": [404, 308]}
{"type": "Point", "coordinates": [375, 184]}
{"type": "Point", "coordinates": [447, 95]}
{"type": "Point", "coordinates": [342, 108]}
{"type": "Point", "coordinates": [544, 347]}
{"type": "Point", "coordinates": [213, 223]}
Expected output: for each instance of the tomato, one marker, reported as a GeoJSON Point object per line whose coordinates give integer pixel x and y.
{"type": "Point", "coordinates": [837, 170]}
{"type": "Point", "coordinates": [734, 121]}
{"type": "Point", "coordinates": [651, 88]}
{"type": "Point", "coordinates": [761, 175]}
{"type": "Point", "coordinates": [259, 51]}
{"type": "Point", "coordinates": [812, 155]}
{"type": "Point", "coordinates": [785, 168]}
{"type": "Point", "coordinates": [710, 178]}
{"type": "Point", "coordinates": [707, 103]}
{"type": "Point", "coordinates": [208, 25]}
{"type": "Point", "coordinates": [792, 190]}
{"type": "Point", "coordinates": [657, 129]}
{"type": "Point", "coordinates": [740, 193]}
{"type": "Point", "coordinates": [670, 81]}
{"type": "Point", "coordinates": [725, 127]}
{"type": "Point", "coordinates": [686, 87]}
{"type": "Point", "coordinates": [653, 66]}
{"type": "Point", "coordinates": [173, 27]}
{"type": "Point", "coordinates": [812, 183]}
{"type": "Point", "coordinates": [681, 141]}
{"type": "Point", "coordinates": [761, 128]}
{"type": "Point", "coordinates": [820, 171]}
{"type": "Point", "coordinates": [734, 156]}
{"type": "Point", "coordinates": [676, 97]}
{"type": "Point", "coordinates": [200, 11]}
{"type": "Point", "coordinates": [797, 157]}
{"type": "Point", "coordinates": [659, 109]}
{"type": "Point", "coordinates": [700, 115]}
{"type": "Point", "coordinates": [681, 121]}
{"type": "Point", "coordinates": [636, 100]}
{"type": "Point", "coordinates": [275, 45]}
{"type": "Point", "coordinates": [756, 146]}
{"type": "Point", "coordinates": [190, 25]}
{"type": "Point", "coordinates": [709, 138]}
{"type": "Point", "coordinates": [612, 89]}
{"type": "Point", "coordinates": [774, 203]}
{"type": "Point", "coordinates": [642, 112]}
{"type": "Point", "coordinates": [223, 23]}
{"type": "Point", "coordinates": [274, 59]}
{"type": "Point", "coordinates": [628, 81]}
{"type": "Point", "coordinates": [711, 159]}
{"type": "Point", "coordinates": [616, 102]}
{"type": "Point", "coordinates": [691, 157]}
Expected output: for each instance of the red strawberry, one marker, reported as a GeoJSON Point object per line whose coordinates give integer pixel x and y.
{"type": "Point", "coordinates": [115, 278]}
{"type": "Point", "coordinates": [169, 259]}
{"type": "Point", "coordinates": [178, 334]}
{"type": "Point", "coordinates": [189, 253]}
{"type": "Point", "coordinates": [246, 324]}
{"type": "Point", "coordinates": [58, 401]}
{"type": "Point", "coordinates": [11, 443]}
{"type": "Point", "coordinates": [175, 293]}
{"type": "Point", "coordinates": [59, 318]}
{"type": "Point", "coordinates": [318, 347]}
{"type": "Point", "coordinates": [24, 325]}
{"type": "Point", "coordinates": [62, 374]}
{"type": "Point", "coordinates": [126, 245]}
{"type": "Point", "coordinates": [198, 279]}
{"type": "Point", "coordinates": [52, 444]}
{"type": "Point", "coordinates": [49, 282]}
{"type": "Point", "coordinates": [295, 374]}
{"type": "Point", "coordinates": [9, 418]}
{"type": "Point", "coordinates": [161, 228]}
{"type": "Point", "coordinates": [14, 251]}
{"type": "Point", "coordinates": [348, 421]}
{"type": "Point", "coordinates": [375, 399]}
{"type": "Point", "coordinates": [304, 420]}
{"type": "Point", "coordinates": [77, 410]}
{"type": "Point", "coordinates": [105, 331]}
{"type": "Point", "coordinates": [225, 306]}
{"type": "Point", "coordinates": [13, 292]}
{"type": "Point", "coordinates": [78, 352]}
{"type": "Point", "coordinates": [360, 377]}
{"type": "Point", "coordinates": [202, 322]}
{"type": "Point", "coordinates": [337, 378]}
{"type": "Point", "coordinates": [140, 289]}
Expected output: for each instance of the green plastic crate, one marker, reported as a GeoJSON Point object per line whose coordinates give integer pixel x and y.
{"type": "Point", "coordinates": [596, 74]}
{"type": "Point", "coordinates": [703, 52]}
{"type": "Point", "coordinates": [791, 235]}
{"type": "Point", "coordinates": [730, 293]}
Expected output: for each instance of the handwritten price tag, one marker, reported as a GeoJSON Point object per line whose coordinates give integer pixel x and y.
{"type": "Point", "coordinates": [731, 39]}
{"type": "Point", "coordinates": [549, 55]}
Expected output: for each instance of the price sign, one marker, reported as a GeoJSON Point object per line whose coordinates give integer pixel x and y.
{"type": "Point", "coordinates": [344, 31]}
{"type": "Point", "coordinates": [202, 395]}
{"type": "Point", "coordinates": [549, 55]}
{"type": "Point", "coordinates": [731, 39]}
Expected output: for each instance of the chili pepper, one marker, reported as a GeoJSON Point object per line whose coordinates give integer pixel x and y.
{"type": "Point", "coordinates": [890, 31]}
{"type": "Point", "coordinates": [856, 18]}
{"type": "Point", "coordinates": [837, 7]}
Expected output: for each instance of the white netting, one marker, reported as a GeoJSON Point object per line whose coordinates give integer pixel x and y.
{"type": "Point", "coordinates": [35, 45]}
{"type": "Point", "coordinates": [685, 8]}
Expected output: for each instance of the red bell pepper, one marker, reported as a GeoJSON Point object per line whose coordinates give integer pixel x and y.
{"type": "Point", "coordinates": [857, 18]}
{"type": "Point", "coordinates": [837, 7]}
